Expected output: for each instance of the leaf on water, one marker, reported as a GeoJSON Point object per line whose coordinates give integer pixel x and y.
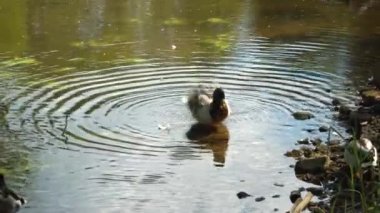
{"type": "Point", "coordinates": [134, 21]}
{"type": "Point", "coordinates": [19, 62]}
{"type": "Point", "coordinates": [216, 20]}
{"type": "Point", "coordinates": [221, 42]}
{"type": "Point", "coordinates": [76, 59]}
{"type": "Point", "coordinates": [174, 22]}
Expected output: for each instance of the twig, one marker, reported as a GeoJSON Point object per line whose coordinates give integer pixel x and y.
{"type": "Point", "coordinates": [65, 128]}
{"type": "Point", "coordinates": [302, 204]}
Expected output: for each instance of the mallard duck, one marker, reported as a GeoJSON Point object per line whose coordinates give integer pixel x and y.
{"type": "Point", "coordinates": [10, 202]}
{"type": "Point", "coordinates": [360, 153]}
{"type": "Point", "coordinates": [207, 109]}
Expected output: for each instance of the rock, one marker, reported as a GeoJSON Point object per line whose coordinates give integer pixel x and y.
{"type": "Point", "coordinates": [312, 165]}
{"type": "Point", "coordinates": [292, 166]}
{"type": "Point", "coordinates": [316, 191]}
{"type": "Point", "coordinates": [259, 199]}
{"type": "Point", "coordinates": [344, 112]}
{"type": "Point", "coordinates": [336, 102]}
{"type": "Point", "coordinates": [242, 195]}
{"type": "Point", "coordinates": [324, 128]}
{"type": "Point", "coordinates": [275, 209]}
{"type": "Point", "coordinates": [333, 142]}
{"type": "Point", "coordinates": [279, 184]}
{"type": "Point", "coordinates": [304, 141]}
{"type": "Point", "coordinates": [276, 196]}
{"type": "Point", "coordinates": [302, 189]}
{"type": "Point", "coordinates": [370, 97]}
{"type": "Point", "coordinates": [328, 90]}
{"type": "Point", "coordinates": [316, 141]}
{"type": "Point", "coordinates": [303, 115]}
{"type": "Point", "coordinates": [294, 195]}
{"type": "Point", "coordinates": [294, 153]}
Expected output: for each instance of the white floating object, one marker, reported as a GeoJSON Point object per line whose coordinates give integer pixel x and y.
{"type": "Point", "coordinates": [164, 127]}
{"type": "Point", "coordinates": [174, 47]}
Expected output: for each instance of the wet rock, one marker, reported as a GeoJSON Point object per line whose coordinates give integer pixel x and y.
{"type": "Point", "coordinates": [294, 195]}
{"type": "Point", "coordinates": [292, 166]}
{"type": "Point", "coordinates": [242, 195]}
{"type": "Point", "coordinates": [304, 141]}
{"type": "Point", "coordinates": [276, 196]}
{"type": "Point", "coordinates": [336, 102]}
{"type": "Point", "coordinates": [279, 184]}
{"type": "Point", "coordinates": [302, 189]}
{"type": "Point", "coordinates": [275, 209]}
{"type": "Point", "coordinates": [312, 165]}
{"type": "Point", "coordinates": [303, 115]}
{"type": "Point", "coordinates": [294, 153]}
{"type": "Point", "coordinates": [344, 112]}
{"type": "Point", "coordinates": [307, 151]}
{"type": "Point", "coordinates": [333, 142]}
{"type": "Point", "coordinates": [370, 97]}
{"type": "Point", "coordinates": [375, 109]}
{"type": "Point", "coordinates": [316, 191]}
{"type": "Point", "coordinates": [259, 199]}
{"type": "Point", "coordinates": [324, 128]}
{"type": "Point", "coordinates": [316, 141]}
{"type": "Point", "coordinates": [328, 90]}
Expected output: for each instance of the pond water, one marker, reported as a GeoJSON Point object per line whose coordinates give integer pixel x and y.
{"type": "Point", "coordinates": [94, 90]}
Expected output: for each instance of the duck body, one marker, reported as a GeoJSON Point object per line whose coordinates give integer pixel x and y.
{"type": "Point", "coordinates": [10, 202]}
{"type": "Point", "coordinates": [207, 109]}
{"type": "Point", "coordinates": [360, 153]}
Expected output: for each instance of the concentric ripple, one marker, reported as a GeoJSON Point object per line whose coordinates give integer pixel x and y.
{"type": "Point", "coordinates": [137, 109]}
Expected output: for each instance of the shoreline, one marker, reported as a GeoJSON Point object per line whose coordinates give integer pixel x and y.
{"type": "Point", "coordinates": [338, 186]}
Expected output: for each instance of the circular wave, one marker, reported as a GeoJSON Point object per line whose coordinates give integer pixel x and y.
{"type": "Point", "coordinates": [137, 109]}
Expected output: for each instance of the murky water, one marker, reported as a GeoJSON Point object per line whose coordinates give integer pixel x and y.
{"type": "Point", "coordinates": [94, 89]}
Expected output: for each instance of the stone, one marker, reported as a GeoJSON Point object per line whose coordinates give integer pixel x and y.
{"type": "Point", "coordinates": [304, 141]}
{"type": "Point", "coordinates": [316, 141]}
{"type": "Point", "coordinates": [279, 184]}
{"type": "Point", "coordinates": [336, 102]}
{"type": "Point", "coordinates": [303, 115]}
{"type": "Point", "coordinates": [324, 128]}
{"type": "Point", "coordinates": [242, 195]}
{"type": "Point", "coordinates": [344, 112]}
{"type": "Point", "coordinates": [259, 199]}
{"type": "Point", "coordinates": [370, 97]}
{"type": "Point", "coordinates": [312, 165]}
{"type": "Point", "coordinates": [294, 153]}
{"type": "Point", "coordinates": [294, 195]}
{"type": "Point", "coordinates": [276, 196]}
{"type": "Point", "coordinates": [275, 209]}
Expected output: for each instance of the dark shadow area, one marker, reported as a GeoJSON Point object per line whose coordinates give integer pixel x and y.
{"type": "Point", "coordinates": [212, 137]}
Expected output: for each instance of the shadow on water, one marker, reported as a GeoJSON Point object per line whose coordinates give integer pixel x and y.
{"type": "Point", "coordinates": [213, 137]}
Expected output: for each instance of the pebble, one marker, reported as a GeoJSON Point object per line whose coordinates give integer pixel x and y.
{"type": "Point", "coordinates": [242, 195]}
{"type": "Point", "coordinates": [279, 184]}
{"type": "Point", "coordinates": [276, 196]}
{"type": "Point", "coordinates": [323, 128]}
{"type": "Point", "coordinates": [259, 199]}
{"type": "Point", "coordinates": [294, 195]}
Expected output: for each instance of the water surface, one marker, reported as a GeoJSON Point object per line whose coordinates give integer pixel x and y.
{"type": "Point", "coordinates": [94, 91]}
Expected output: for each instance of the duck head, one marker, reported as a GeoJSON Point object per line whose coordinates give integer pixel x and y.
{"type": "Point", "coordinates": [218, 95]}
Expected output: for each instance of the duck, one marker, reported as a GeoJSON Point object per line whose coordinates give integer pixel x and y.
{"type": "Point", "coordinates": [10, 202]}
{"type": "Point", "coordinates": [207, 108]}
{"type": "Point", "coordinates": [360, 153]}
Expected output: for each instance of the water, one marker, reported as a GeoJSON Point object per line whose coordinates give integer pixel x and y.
{"type": "Point", "coordinates": [94, 89]}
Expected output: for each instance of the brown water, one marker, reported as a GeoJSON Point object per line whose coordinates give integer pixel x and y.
{"type": "Point", "coordinates": [88, 84]}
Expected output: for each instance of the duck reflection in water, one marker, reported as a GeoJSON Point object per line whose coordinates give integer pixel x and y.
{"type": "Point", "coordinates": [212, 137]}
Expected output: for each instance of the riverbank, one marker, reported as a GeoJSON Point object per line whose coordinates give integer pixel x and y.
{"type": "Point", "coordinates": [339, 187]}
